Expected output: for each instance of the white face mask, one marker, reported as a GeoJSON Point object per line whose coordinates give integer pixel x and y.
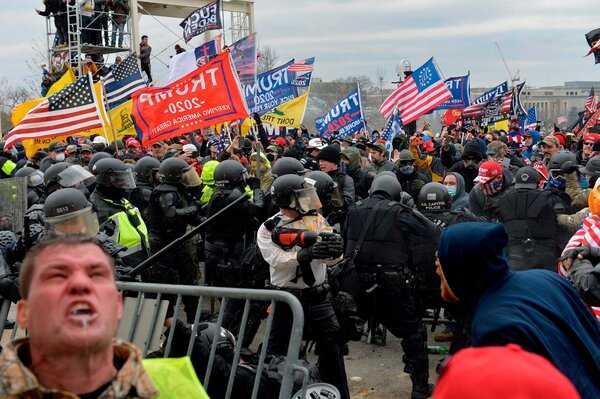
{"type": "Point", "coordinates": [60, 156]}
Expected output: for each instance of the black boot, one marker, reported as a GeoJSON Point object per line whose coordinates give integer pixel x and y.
{"type": "Point", "coordinates": [421, 389]}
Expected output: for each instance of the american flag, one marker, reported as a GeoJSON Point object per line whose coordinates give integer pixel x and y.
{"type": "Point", "coordinates": [71, 110]}
{"type": "Point", "coordinates": [531, 121]}
{"type": "Point", "coordinates": [590, 103]}
{"type": "Point", "coordinates": [124, 80]}
{"type": "Point", "coordinates": [418, 94]}
{"type": "Point", "coordinates": [302, 66]}
{"type": "Point", "coordinates": [222, 141]}
{"type": "Point", "coordinates": [588, 235]}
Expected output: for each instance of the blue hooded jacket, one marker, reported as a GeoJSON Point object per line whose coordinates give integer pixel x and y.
{"type": "Point", "coordinates": [535, 309]}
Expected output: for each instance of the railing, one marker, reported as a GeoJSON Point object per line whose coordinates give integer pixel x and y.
{"type": "Point", "coordinates": [146, 309]}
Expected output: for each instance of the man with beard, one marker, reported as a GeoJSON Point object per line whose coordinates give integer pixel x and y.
{"type": "Point", "coordinates": [468, 166]}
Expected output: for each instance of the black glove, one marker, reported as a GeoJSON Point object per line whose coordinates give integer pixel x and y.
{"type": "Point", "coordinates": [319, 250]}
{"type": "Point", "coordinates": [335, 246]}
{"type": "Point", "coordinates": [569, 167]}
{"type": "Point", "coordinates": [253, 182]}
{"type": "Point", "coordinates": [578, 252]}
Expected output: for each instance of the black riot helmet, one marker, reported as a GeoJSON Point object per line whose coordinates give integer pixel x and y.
{"type": "Point", "coordinates": [51, 176]}
{"type": "Point", "coordinates": [177, 171]}
{"type": "Point", "coordinates": [324, 185]}
{"type": "Point", "coordinates": [560, 159]}
{"type": "Point", "coordinates": [434, 197]}
{"type": "Point", "coordinates": [67, 211]}
{"type": "Point", "coordinates": [145, 169]}
{"type": "Point", "coordinates": [287, 166]}
{"type": "Point", "coordinates": [96, 157]}
{"type": "Point", "coordinates": [229, 174]}
{"type": "Point", "coordinates": [210, 332]}
{"type": "Point", "coordinates": [386, 183]}
{"type": "Point", "coordinates": [35, 178]}
{"type": "Point", "coordinates": [114, 173]}
{"type": "Point", "coordinates": [294, 192]}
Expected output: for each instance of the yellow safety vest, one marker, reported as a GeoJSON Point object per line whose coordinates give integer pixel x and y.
{"type": "Point", "coordinates": [8, 166]}
{"type": "Point", "coordinates": [174, 378]}
{"type": "Point", "coordinates": [131, 231]}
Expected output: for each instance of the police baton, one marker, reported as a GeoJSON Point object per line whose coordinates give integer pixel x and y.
{"type": "Point", "coordinates": [146, 263]}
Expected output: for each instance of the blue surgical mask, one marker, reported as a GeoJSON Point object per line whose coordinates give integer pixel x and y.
{"type": "Point", "coordinates": [584, 182]}
{"type": "Point", "coordinates": [451, 190]}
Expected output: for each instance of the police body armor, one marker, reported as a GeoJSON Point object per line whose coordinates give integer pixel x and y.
{"type": "Point", "coordinates": [529, 218]}
{"type": "Point", "coordinates": [125, 226]}
{"type": "Point", "coordinates": [167, 227]}
{"type": "Point", "coordinates": [140, 196]}
{"type": "Point", "coordinates": [227, 239]}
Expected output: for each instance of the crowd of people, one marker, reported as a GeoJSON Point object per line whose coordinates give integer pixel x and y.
{"type": "Point", "coordinates": [499, 229]}
{"type": "Point", "coordinates": [96, 17]}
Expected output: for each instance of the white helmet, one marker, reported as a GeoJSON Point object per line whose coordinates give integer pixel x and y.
{"type": "Point", "coordinates": [316, 143]}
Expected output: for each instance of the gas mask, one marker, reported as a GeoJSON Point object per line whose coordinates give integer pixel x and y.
{"type": "Point", "coordinates": [406, 170]}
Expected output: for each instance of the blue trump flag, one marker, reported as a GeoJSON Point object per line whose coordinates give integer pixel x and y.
{"type": "Point", "coordinates": [492, 93]}
{"type": "Point", "coordinates": [346, 117]}
{"type": "Point", "coordinates": [459, 86]}
{"type": "Point", "coordinates": [271, 89]}
{"type": "Point", "coordinates": [393, 128]}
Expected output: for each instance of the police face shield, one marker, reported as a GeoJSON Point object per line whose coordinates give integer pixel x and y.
{"type": "Point", "coordinates": [36, 179]}
{"type": "Point", "coordinates": [190, 178]}
{"type": "Point", "coordinates": [123, 179]}
{"type": "Point", "coordinates": [306, 199]}
{"type": "Point", "coordinates": [83, 222]}
{"type": "Point", "coordinates": [74, 176]}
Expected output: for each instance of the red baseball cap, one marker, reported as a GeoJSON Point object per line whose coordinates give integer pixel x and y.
{"type": "Point", "coordinates": [488, 170]}
{"type": "Point", "coordinates": [500, 372]}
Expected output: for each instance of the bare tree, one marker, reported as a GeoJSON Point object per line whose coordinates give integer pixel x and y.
{"type": "Point", "coordinates": [364, 81]}
{"type": "Point", "coordinates": [9, 97]}
{"type": "Point", "coordinates": [267, 59]}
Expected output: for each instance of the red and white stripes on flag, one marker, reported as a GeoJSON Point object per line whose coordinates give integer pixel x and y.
{"type": "Point", "coordinates": [71, 110]}
{"type": "Point", "coordinates": [591, 103]}
{"type": "Point", "coordinates": [588, 235]}
{"type": "Point", "coordinates": [413, 104]}
{"type": "Point", "coordinates": [302, 66]}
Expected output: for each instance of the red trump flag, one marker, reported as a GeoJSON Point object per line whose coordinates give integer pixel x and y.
{"type": "Point", "coordinates": [207, 96]}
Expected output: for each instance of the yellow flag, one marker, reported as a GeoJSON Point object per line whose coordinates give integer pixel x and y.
{"type": "Point", "coordinates": [33, 145]}
{"type": "Point", "coordinates": [501, 125]}
{"type": "Point", "coordinates": [288, 114]}
{"type": "Point", "coordinates": [19, 111]}
{"type": "Point", "coordinates": [122, 123]}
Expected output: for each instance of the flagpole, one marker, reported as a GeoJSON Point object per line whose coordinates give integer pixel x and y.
{"type": "Point", "coordinates": [112, 128]}
{"type": "Point", "coordinates": [360, 105]}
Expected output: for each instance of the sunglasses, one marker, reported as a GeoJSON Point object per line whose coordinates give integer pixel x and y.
{"type": "Point", "coordinates": [588, 143]}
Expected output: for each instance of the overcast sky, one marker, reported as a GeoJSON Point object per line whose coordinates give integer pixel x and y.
{"type": "Point", "coordinates": [542, 39]}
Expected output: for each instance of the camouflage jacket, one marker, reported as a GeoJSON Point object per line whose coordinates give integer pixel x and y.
{"type": "Point", "coordinates": [17, 381]}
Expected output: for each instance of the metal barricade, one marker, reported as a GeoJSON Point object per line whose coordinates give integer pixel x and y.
{"type": "Point", "coordinates": [145, 313]}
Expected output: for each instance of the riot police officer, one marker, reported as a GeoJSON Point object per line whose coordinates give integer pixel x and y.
{"type": "Point", "coordinates": [118, 218]}
{"type": "Point", "coordinates": [529, 217]}
{"type": "Point", "coordinates": [35, 185]}
{"type": "Point", "coordinates": [145, 171]}
{"type": "Point", "coordinates": [171, 210]}
{"type": "Point", "coordinates": [7, 164]}
{"type": "Point", "coordinates": [390, 242]}
{"type": "Point", "coordinates": [228, 237]}
{"type": "Point", "coordinates": [67, 211]}
{"type": "Point", "coordinates": [281, 166]}
{"type": "Point", "coordinates": [435, 202]}
{"type": "Point", "coordinates": [326, 189]}
{"type": "Point", "coordinates": [299, 267]}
